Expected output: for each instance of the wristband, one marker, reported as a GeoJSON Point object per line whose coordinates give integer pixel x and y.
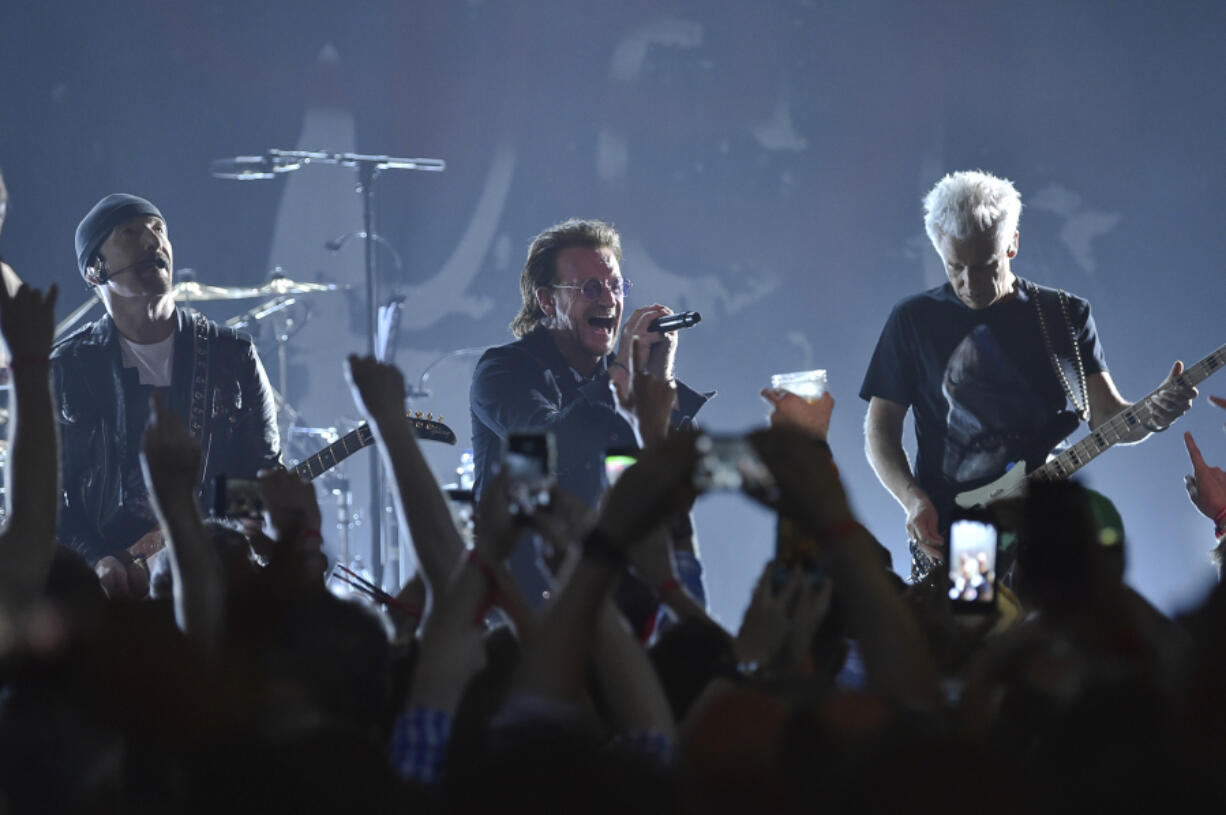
{"type": "Point", "coordinates": [600, 547]}
{"type": "Point", "coordinates": [1220, 517]}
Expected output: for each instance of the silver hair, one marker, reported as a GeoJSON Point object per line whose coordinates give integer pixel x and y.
{"type": "Point", "coordinates": [970, 201]}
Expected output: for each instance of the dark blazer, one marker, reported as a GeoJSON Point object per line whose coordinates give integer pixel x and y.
{"type": "Point", "coordinates": [528, 385]}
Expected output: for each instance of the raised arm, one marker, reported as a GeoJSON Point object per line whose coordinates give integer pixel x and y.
{"type": "Point", "coordinates": [811, 495]}
{"type": "Point", "coordinates": [170, 460]}
{"type": "Point", "coordinates": [28, 542]}
{"type": "Point", "coordinates": [555, 662]}
{"type": "Point", "coordinates": [378, 389]}
{"type": "Point", "coordinates": [631, 685]}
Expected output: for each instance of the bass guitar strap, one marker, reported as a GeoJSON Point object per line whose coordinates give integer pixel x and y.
{"type": "Point", "coordinates": [200, 376]}
{"type": "Point", "coordinates": [1078, 398]}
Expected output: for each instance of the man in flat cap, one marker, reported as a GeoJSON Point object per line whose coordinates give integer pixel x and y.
{"type": "Point", "coordinates": [104, 374]}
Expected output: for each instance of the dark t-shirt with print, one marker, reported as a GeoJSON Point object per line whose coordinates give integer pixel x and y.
{"type": "Point", "coordinates": [980, 383]}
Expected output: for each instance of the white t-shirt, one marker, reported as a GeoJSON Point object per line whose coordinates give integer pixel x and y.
{"type": "Point", "coordinates": [153, 362]}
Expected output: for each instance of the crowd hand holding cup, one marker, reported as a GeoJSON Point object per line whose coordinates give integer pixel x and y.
{"type": "Point", "coordinates": [800, 400]}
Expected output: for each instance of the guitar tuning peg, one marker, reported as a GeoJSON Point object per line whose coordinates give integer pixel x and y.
{"type": "Point", "coordinates": [430, 417]}
{"type": "Point", "coordinates": [440, 418]}
{"type": "Point", "coordinates": [418, 414]}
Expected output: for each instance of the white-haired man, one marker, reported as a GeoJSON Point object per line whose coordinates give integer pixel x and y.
{"type": "Point", "coordinates": [987, 364]}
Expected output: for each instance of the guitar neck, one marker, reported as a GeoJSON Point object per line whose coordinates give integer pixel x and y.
{"type": "Point", "coordinates": [334, 453]}
{"type": "Point", "coordinates": [1123, 424]}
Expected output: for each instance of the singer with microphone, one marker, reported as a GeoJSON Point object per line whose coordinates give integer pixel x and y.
{"type": "Point", "coordinates": [570, 370]}
{"type": "Point", "coordinates": [104, 374]}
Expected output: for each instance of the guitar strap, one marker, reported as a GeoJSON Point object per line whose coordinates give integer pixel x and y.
{"type": "Point", "coordinates": [200, 376]}
{"type": "Point", "coordinates": [1079, 399]}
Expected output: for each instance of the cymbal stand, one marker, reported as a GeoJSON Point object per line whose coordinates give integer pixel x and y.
{"type": "Point", "coordinates": [274, 162]}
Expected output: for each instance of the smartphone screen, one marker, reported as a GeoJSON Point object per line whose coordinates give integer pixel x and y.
{"type": "Point", "coordinates": [237, 498]}
{"type": "Point", "coordinates": [528, 460]}
{"type": "Point", "coordinates": [730, 463]}
{"type": "Point", "coordinates": [616, 462]}
{"type": "Point", "coordinates": [972, 564]}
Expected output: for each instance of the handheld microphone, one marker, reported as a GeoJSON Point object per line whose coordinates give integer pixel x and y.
{"type": "Point", "coordinates": [672, 322]}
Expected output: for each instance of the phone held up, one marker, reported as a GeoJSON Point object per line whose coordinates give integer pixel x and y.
{"type": "Point", "coordinates": [617, 461]}
{"type": "Point", "coordinates": [529, 460]}
{"type": "Point", "coordinates": [237, 498]}
{"type": "Point", "coordinates": [973, 544]}
{"type": "Point", "coordinates": [731, 463]}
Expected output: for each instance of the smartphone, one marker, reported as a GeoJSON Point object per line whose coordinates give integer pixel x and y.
{"type": "Point", "coordinates": [730, 463]}
{"type": "Point", "coordinates": [237, 498]}
{"type": "Point", "coordinates": [617, 462]}
{"type": "Point", "coordinates": [529, 460]}
{"type": "Point", "coordinates": [973, 544]}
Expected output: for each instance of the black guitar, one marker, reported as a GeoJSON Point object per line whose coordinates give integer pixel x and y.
{"type": "Point", "coordinates": [426, 428]}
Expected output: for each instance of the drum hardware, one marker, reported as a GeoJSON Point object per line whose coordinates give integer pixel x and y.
{"type": "Point", "coordinates": [274, 162]}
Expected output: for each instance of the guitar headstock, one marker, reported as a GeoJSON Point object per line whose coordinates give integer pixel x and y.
{"type": "Point", "coordinates": [429, 428]}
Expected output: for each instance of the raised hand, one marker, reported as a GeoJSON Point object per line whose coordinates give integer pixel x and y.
{"type": "Point", "coordinates": [170, 455]}
{"type": "Point", "coordinates": [497, 533]}
{"type": "Point", "coordinates": [648, 493]}
{"type": "Point", "coordinates": [799, 413]}
{"type": "Point", "coordinates": [764, 628]}
{"type": "Point", "coordinates": [28, 321]}
{"type": "Point", "coordinates": [1207, 485]}
{"type": "Point", "coordinates": [290, 503]}
{"type": "Point", "coordinates": [1220, 402]}
{"type": "Point", "coordinates": [812, 606]}
{"type": "Point", "coordinates": [378, 388]}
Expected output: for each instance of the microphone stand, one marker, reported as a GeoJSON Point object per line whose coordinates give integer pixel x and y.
{"type": "Point", "coordinates": [273, 162]}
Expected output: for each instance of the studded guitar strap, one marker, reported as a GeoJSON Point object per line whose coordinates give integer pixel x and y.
{"type": "Point", "coordinates": [1079, 398]}
{"type": "Point", "coordinates": [200, 376]}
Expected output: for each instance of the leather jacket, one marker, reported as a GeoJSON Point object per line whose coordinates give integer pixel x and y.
{"type": "Point", "coordinates": [220, 390]}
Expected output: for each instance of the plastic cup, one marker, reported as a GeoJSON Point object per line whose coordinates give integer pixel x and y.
{"type": "Point", "coordinates": [808, 385]}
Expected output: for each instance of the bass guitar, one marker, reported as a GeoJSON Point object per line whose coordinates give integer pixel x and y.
{"type": "Point", "coordinates": [1103, 438]}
